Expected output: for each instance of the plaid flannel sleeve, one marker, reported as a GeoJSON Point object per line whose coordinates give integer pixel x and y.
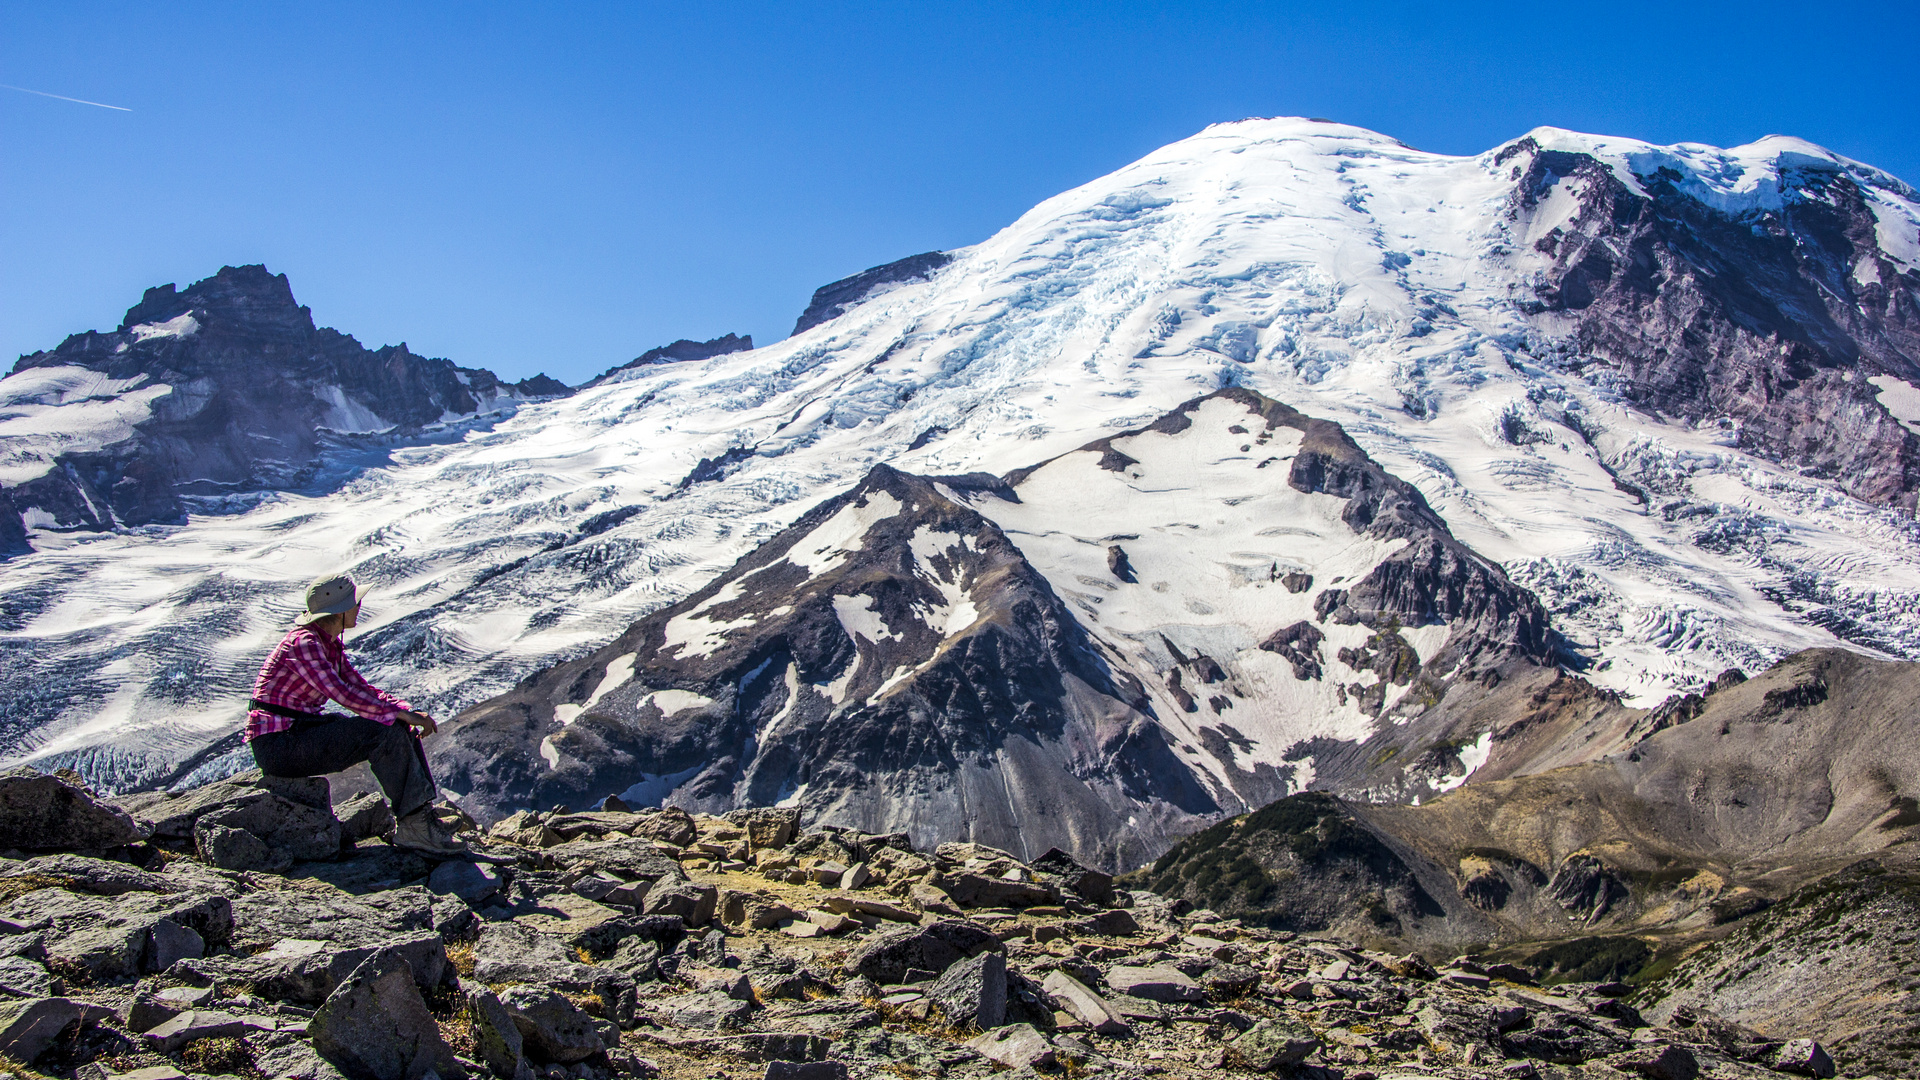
{"type": "Point", "coordinates": [310, 661]}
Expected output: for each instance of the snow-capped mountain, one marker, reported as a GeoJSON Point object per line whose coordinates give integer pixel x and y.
{"type": "Point", "coordinates": [200, 396]}
{"type": "Point", "coordinates": [1670, 390]}
{"type": "Point", "coordinates": [1098, 652]}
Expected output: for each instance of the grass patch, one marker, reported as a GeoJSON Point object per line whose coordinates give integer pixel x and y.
{"type": "Point", "coordinates": [1592, 959]}
{"type": "Point", "coordinates": [226, 1055]}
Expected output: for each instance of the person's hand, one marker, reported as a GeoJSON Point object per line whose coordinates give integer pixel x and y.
{"type": "Point", "coordinates": [422, 721]}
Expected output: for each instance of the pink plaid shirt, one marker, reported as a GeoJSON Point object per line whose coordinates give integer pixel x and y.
{"type": "Point", "coordinates": [305, 672]}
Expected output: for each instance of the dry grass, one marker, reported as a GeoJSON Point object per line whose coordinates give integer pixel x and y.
{"type": "Point", "coordinates": [12, 888]}
{"type": "Point", "coordinates": [224, 1055]}
{"type": "Point", "coordinates": [10, 1067]}
{"type": "Point", "coordinates": [460, 955]}
{"type": "Point", "coordinates": [581, 954]}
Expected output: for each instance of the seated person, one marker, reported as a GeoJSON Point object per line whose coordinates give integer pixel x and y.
{"type": "Point", "coordinates": [289, 736]}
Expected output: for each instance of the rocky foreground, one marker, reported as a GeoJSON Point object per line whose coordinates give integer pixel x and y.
{"type": "Point", "coordinates": [250, 928]}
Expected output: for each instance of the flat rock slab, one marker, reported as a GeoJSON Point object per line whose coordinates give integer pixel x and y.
{"type": "Point", "coordinates": [29, 1026]}
{"type": "Point", "coordinates": [1159, 982]}
{"type": "Point", "coordinates": [1079, 1000]}
{"type": "Point", "coordinates": [193, 1024]}
{"type": "Point", "coordinates": [1016, 1046]}
{"type": "Point", "coordinates": [806, 1070]}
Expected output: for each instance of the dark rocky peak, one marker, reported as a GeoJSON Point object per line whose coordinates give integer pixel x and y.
{"type": "Point", "coordinates": [891, 659]}
{"type": "Point", "coordinates": [682, 351]}
{"type": "Point", "coordinates": [1773, 314]}
{"type": "Point", "coordinates": [832, 301]}
{"type": "Point", "coordinates": [235, 391]}
{"type": "Point", "coordinates": [246, 296]}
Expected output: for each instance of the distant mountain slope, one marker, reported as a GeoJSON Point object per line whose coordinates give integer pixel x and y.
{"type": "Point", "coordinates": [1669, 844]}
{"type": "Point", "coordinates": [1404, 295]}
{"type": "Point", "coordinates": [996, 660]}
{"type": "Point", "coordinates": [224, 388]}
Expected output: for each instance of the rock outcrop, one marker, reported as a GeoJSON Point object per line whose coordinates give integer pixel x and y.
{"type": "Point", "coordinates": [221, 389]}
{"type": "Point", "coordinates": [832, 300]}
{"type": "Point", "coordinates": [682, 351]}
{"type": "Point", "coordinates": [892, 970]}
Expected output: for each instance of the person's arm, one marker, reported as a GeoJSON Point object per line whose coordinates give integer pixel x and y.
{"type": "Point", "coordinates": [310, 660]}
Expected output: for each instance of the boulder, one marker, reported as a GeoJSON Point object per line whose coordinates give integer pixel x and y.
{"type": "Point", "coordinates": [979, 890]}
{"type": "Point", "coordinates": [806, 1070]}
{"type": "Point", "coordinates": [1089, 1008]}
{"type": "Point", "coordinates": [973, 992]}
{"type": "Point", "coordinates": [1017, 1046]}
{"type": "Point", "coordinates": [375, 1026]}
{"type": "Point", "coordinates": [29, 1026]}
{"type": "Point", "coordinates": [554, 1026]}
{"type": "Point", "coordinates": [887, 957]}
{"type": "Point", "coordinates": [750, 911]}
{"type": "Point", "coordinates": [1658, 1061]}
{"type": "Point", "coordinates": [692, 904]}
{"type": "Point", "coordinates": [1090, 885]}
{"type": "Point", "coordinates": [282, 830]}
{"type": "Point", "coordinates": [113, 937]}
{"type": "Point", "coordinates": [497, 1041]}
{"type": "Point", "coordinates": [766, 827]}
{"type": "Point", "coordinates": [469, 881]}
{"type": "Point", "coordinates": [1229, 981]}
{"type": "Point", "coordinates": [710, 1011]}
{"type": "Point", "coordinates": [307, 971]}
{"type": "Point", "coordinates": [365, 816]}
{"type": "Point", "coordinates": [191, 1025]}
{"type": "Point", "coordinates": [1271, 1044]}
{"type": "Point", "coordinates": [1803, 1056]}
{"type": "Point", "coordinates": [1159, 982]}
{"type": "Point", "coordinates": [510, 952]}
{"type": "Point", "coordinates": [168, 941]}
{"type": "Point", "coordinates": [24, 978]}
{"type": "Point", "coordinates": [1115, 923]}
{"type": "Point", "coordinates": [41, 812]}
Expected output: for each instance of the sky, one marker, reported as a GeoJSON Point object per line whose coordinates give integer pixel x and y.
{"type": "Point", "coordinates": [558, 187]}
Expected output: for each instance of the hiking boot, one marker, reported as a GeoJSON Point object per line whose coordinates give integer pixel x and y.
{"type": "Point", "coordinates": [422, 831]}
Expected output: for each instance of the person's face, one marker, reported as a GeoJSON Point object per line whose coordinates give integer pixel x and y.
{"type": "Point", "coordinates": [351, 619]}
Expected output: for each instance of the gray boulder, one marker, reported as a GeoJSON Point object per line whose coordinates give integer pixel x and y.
{"type": "Point", "coordinates": [469, 881]}
{"type": "Point", "coordinates": [1089, 1008]}
{"type": "Point", "coordinates": [113, 937]}
{"type": "Point", "coordinates": [41, 812]}
{"type": "Point", "coordinates": [973, 992]}
{"type": "Point", "coordinates": [1017, 1046]}
{"type": "Point", "coordinates": [375, 1026]}
{"type": "Point", "coordinates": [550, 1023]}
{"type": "Point", "coordinates": [510, 952]}
{"type": "Point", "coordinates": [496, 1038]}
{"type": "Point", "coordinates": [192, 1025]}
{"type": "Point", "coordinates": [711, 1011]}
{"type": "Point", "coordinates": [1272, 1044]}
{"type": "Point", "coordinates": [1803, 1056]}
{"type": "Point", "coordinates": [935, 947]}
{"type": "Point", "coordinates": [1159, 982]}
{"type": "Point", "coordinates": [29, 1026]}
{"type": "Point", "coordinates": [308, 971]}
{"type": "Point", "coordinates": [364, 817]}
{"type": "Point", "coordinates": [21, 977]}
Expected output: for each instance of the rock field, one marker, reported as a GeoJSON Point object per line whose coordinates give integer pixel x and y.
{"type": "Point", "coordinates": [251, 928]}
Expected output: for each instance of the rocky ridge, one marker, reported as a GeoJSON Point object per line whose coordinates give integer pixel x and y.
{"type": "Point", "coordinates": [221, 389]}
{"type": "Point", "coordinates": [1746, 851]}
{"type": "Point", "coordinates": [605, 944]}
{"type": "Point", "coordinates": [1026, 661]}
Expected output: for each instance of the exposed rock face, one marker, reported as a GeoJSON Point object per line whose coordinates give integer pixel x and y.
{"type": "Point", "coordinates": [895, 661]}
{"type": "Point", "coordinates": [1770, 321]}
{"type": "Point", "coordinates": [224, 387]}
{"type": "Point", "coordinates": [682, 351]}
{"type": "Point", "coordinates": [832, 301]}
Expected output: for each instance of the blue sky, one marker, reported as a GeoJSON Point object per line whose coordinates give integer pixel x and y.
{"type": "Point", "coordinates": [558, 187]}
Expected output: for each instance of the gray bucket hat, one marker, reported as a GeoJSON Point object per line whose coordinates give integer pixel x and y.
{"type": "Point", "coordinates": [330, 594]}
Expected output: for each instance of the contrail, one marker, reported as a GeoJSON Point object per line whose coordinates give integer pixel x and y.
{"type": "Point", "coordinates": [63, 97]}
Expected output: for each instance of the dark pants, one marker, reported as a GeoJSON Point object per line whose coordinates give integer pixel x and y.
{"type": "Point", "coordinates": [318, 747]}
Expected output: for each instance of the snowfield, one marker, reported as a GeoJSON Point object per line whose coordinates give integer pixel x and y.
{"type": "Point", "coordinates": [1326, 266]}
